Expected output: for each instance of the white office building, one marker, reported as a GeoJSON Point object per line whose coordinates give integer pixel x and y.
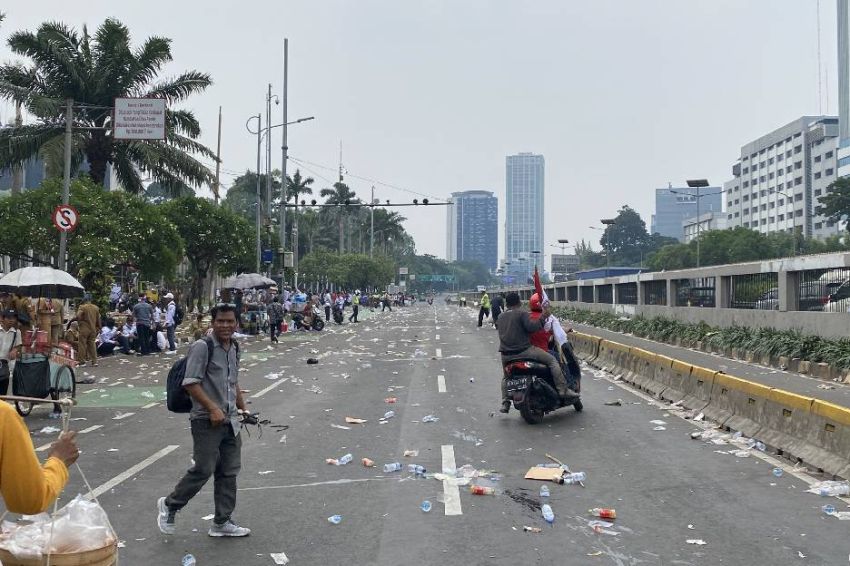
{"type": "Point", "coordinates": [779, 177]}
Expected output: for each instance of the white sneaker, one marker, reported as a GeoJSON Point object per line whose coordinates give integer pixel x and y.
{"type": "Point", "coordinates": [165, 518]}
{"type": "Point", "coordinates": [228, 529]}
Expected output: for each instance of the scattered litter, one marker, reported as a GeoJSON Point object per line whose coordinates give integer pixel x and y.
{"type": "Point", "coordinates": [341, 427]}
{"type": "Point", "coordinates": [391, 400]}
{"type": "Point", "coordinates": [49, 430]}
{"type": "Point", "coordinates": [658, 422]}
{"type": "Point", "coordinates": [426, 506]}
{"type": "Point", "coordinates": [471, 380]}
{"type": "Point", "coordinates": [532, 529]}
{"type": "Point", "coordinates": [800, 554]}
{"type": "Point", "coordinates": [700, 417]}
{"type": "Point", "coordinates": [341, 461]}
{"type": "Point", "coordinates": [698, 541]}
{"type": "Point", "coordinates": [777, 472]}
{"type": "Point", "coordinates": [610, 388]}
{"type": "Point", "coordinates": [313, 361]}
{"type": "Point", "coordinates": [355, 420]}
{"type": "Point", "coordinates": [545, 473]}
{"type": "Point", "coordinates": [740, 453]}
{"type": "Point", "coordinates": [411, 453]}
{"type": "Point", "coordinates": [389, 414]}
{"type": "Point", "coordinates": [112, 450]}
{"type": "Point", "coordinates": [825, 386]}
{"type": "Point", "coordinates": [315, 390]}
{"type": "Point", "coordinates": [283, 439]}
{"type": "Point", "coordinates": [393, 467]}
{"type": "Point", "coordinates": [548, 514]}
{"type": "Point", "coordinates": [335, 519]}
{"type": "Point", "coordinates": [659, 428]}
{"type": "Point", "coordinates": [616, 403]}
{"type": "Point", "coordinates": [482, 490]}
{"type": "Point", "coordinates": [147, 395]}
{"type": "Point", "coordinates": [830, 488]}
{"type": "Point", "coordinates": [430, 419]}
{"type": "Point", "coordinates": [597, 553]}
{"type": "Point", "coordinates": [120, 416]}
{"type": "Point", "coordinates": [266, 472]}
{"type": "Point", "coordinates": [691, 527]}
{"type": "Point", "coordinates": [279, 558]}
{"type": "Point", "coordinates": [368, 463]}
{"type": "Point", "coordinates": [603, 513]}
{"type": "Point", "coordinates": [314, 351]}
{"type": "Point", "coordinates": [208, 517]}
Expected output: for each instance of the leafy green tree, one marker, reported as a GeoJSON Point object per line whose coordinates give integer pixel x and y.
{"type": "Point", "coordinates": [215, 238]}
{"type": "Point", "coordinates": [115, 228]}
{"type": "Point", "coordinates": [341, 196]}
{"type": "Point", "coordinates": [835, 204]}
{"type": "Point", "coordinates": [627, 238]}
{"type": "Point", "coordinates": [93, 71]}
{"type": "Point", "coordinates": [158, 193]}
{"type": "Point", "coordinates": [241, 197]}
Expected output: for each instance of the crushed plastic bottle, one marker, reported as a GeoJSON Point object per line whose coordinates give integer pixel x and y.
{"type": "Point", "coordinates": [777, 472]}
{"type": "Point", "coordinates": [426, 506]}
{"type": "Point", "coordinates": [389, 414]}
{"type": "Point", "coordinates": [544, 491]}
{"type": "Point", "coordinates": [574, 478]}
{"type": "Point", "coordinates": [828, 509]}
{"type": "Point", "coordinates": [603, 513]}
{"type": "Point", "coordinates": [834, 488]}
{"type": "Point", "coordinates": [345, 460]}
{"type": "Point", "coordinates": [482, 490]}
{"type": "Point", "coordinates": [548, 514]}
{"type": "Point", "coordinates": [429, 419]}
{"type": "Point", "coordinates": [416, 469]}
{"type": "Point", "coordinates": [394, 467]}
{"type": "Point", "coordinates": [335, 519]}
{"type": "Point", "coordinates": [188, 560]}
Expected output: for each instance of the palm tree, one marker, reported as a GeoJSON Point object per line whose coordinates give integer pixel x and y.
{"type": "Point", "coordinates": [296, 186]}
{"type": "Point", "coordinates": [93, 71]}
{"type": "Point", "coordinates": [341, 196]}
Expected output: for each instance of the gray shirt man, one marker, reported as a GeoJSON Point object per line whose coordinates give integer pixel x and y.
{"type": "Point", "coordinates": [219, 378]}
{"type": "Point", "coordinates": [142, 312]}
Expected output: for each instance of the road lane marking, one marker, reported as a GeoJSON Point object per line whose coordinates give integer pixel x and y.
{"type": "Point", "coordinates": [441, 383]}
{"type": "Point", "coordinates": [103, 488]}
{"type": "Point", "coordinates": [316, 484]}
{"type": "Point", "coordinates": [262, 392]}
{"type": "Point", "coordinates": [439, 352]}
{"type": "Point", "coordinates": [122, 416]}
{"type": "Point", "coordinates": [451, 492]}
{"type": "Point", "coordinates": [149, 405]}
{"type": "Point", "coordinates": [44, 447]}
{"type": "Point", "coordinates": [437, 337]}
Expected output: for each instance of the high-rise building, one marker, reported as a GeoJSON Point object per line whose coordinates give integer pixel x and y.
{"type": "Point", "coordinates": [674, 205]}
{"type": "Point", "coordinates": [472, 228]}
{"type": "Point", "coordinates": [780, 177]}
{"type": "Point", "coordinates": [524, 184]}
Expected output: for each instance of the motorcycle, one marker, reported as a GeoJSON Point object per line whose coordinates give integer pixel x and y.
{"type": "Point", "coordinates": [532, 389]}
{"type": "Point", "coordinates": [338, 314]}
{"type": "Point", "coordinates": [317, 324]}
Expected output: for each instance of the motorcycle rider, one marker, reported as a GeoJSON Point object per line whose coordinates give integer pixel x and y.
{"type": "Point", "coordinates": [515, 330]}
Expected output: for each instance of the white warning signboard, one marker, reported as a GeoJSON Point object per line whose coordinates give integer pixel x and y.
{"type": "Point", "coordinates": [139, 119]}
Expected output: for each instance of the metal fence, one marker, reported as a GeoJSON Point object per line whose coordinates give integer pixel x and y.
{"type": "Point", "coordinates": [586, 294]}
{"type": "Point", "coordinates": [697, 292]}
{"type": "Point", "coordinates": [655, 293]}
{"type": "Point", "coordinates": [824, 290]}
{"type": "Point", "coordinates": [605, 294]}
{"type": "Point", "coordinates": [755, 291]}
{"type": "Point", "coordinates": [627, 293]}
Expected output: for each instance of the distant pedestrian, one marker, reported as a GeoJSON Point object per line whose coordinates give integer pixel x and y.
{"type": "Point", "coordinates": [143, 313]}
{"type": "Point", "coordinates": [484, 311]}
{"type": "Point", "coordinates": [212, 382]}
{"type": "Point", "coordinates": [170, 323]}
{"type": "Point", "coordinates": [497, 305]}
{"type": "Point", "coordinates": [386, 303]}
{"type": "Point", "coordinates": [10, 339]}
{"type": "Point", "coordinates": [276, 316]}
{"type": "Point", "coordinates": [355, 307]}
{"type": "Point", "coordinates": [88, 321]}
{"type": "Point", "coordinates": [327, 300]}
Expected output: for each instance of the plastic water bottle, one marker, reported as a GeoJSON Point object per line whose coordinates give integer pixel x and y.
{"type": "Point", "coordinates": [575, 477]}
{"type": "Point", "coordinates": [416, 469]}
{"type": "Point", "coordinates": [603, 513]}
{"type": "Point", "coordinates": [189, 560]}
{"type": "Point", "coordinates": [828, 509]}
{"type": "Point", "coordinates": [834, 490]}
{"type": "Point", "coordinates": [389, 414]}
{"type": "Point", "coordinates": [548, 514]}
{"type": "Point", "coordinates": [544, 491]}
{"type": "Point", "coordinates": [335, 519]}
{"type": "Point", "coordinates": [777, 472]}
{"type": "Point", "coordinates": [426, 506]}
{"type": "Point", "coordinates": [345, 460]}
{"type": "Point", "coordinates": [394, 467]}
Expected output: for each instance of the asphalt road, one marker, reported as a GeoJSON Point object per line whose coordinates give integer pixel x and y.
{"type": "Point", "coordinates": [667, 489]}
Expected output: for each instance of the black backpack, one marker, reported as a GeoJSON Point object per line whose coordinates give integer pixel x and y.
{"type": "Point", "coordinates": [177, 399]}
{"type": "Point", "coordinates": [179, 313]}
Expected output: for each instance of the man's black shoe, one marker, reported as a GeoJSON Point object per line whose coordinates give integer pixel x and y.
{"type": "Point", "coordinates": [506, 406]}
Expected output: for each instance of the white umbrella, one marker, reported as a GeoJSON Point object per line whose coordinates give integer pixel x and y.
{"type": "Point", "coordinates": [42, 282]}
{"type": "Point", "coordinates": [248, 281]}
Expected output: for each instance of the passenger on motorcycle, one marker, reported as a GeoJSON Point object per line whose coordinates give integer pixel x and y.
{"type": "Point", "coordinates": [516, 327]}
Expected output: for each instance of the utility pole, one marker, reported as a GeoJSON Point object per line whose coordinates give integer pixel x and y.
{"type": "Point", "coordinates": [372, 222]}
{"type": "Point", "coordinates": [267, 214]}
{"type": "Point", "coordinates": [18, 168]}
{"type": "Point", "coordinates": [217, 186]}
{"type": "Point", "coordinates": [66, 178]}
{"type": "Point", "coordinates": [285, 150]}
{"type": "Point", "coordinates": [259, 200]}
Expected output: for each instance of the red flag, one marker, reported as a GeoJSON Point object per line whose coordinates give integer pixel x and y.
{"type": "Point", "coordinates": [538, 288]}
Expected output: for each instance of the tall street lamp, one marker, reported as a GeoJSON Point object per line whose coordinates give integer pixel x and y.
{"type": "Point", "coordinates": [608, 222]}
{"type": "Point", "coordinates": [259, 132]}
{"type": "Point", "coordinates": [697, 184]}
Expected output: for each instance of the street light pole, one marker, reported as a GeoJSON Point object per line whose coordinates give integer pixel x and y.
{"type": "Point", "coordinates": [698, 184]}
{"type": "Point", "coordinates": [608, 222]}
{"type": "Point", "coordinates": [285, 149]}
{"type": "Point", "coordinates": [259, 118]}
{"type": "Point", "coordinates": [66, 179]}
{"type": "Point", "coordinates": [372, 222]}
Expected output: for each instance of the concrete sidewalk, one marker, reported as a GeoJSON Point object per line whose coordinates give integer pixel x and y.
{"type": "Point", "coordinates": [789, 381]}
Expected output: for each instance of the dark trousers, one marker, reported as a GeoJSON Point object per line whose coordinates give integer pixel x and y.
{"type": "Point", "coordinates": [327, 313]}
{"type": "Point", "coordinates": [386, 306]}
{"type": "Point", "coordinates": [354, 310]}
{"type": "Point", "coordinates": [541, 356]}
{"type": "Point", "coordinates": [496, 313]}
{"type": "Point", "coordinates": [4, 377]}
{"type": "Point", "coordinates": [274, 329]}
{"type": "Point", "coordinates": [482, 314]}
{"type": "Point", "coordinates": [144, 336]}
{"type": "Point", "coordinates": [106, 349]}
{"type": "Point", "coordinates": [217, 452]}
{"type": "Point", "coordinates": [169, 332]}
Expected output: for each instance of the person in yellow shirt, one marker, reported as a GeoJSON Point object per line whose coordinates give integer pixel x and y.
{"type": "Point", "coordinates": [28, 487]}
{"type": "Point", "coordinates": [484, 311]}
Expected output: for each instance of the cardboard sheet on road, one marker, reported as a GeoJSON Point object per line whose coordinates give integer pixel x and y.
{"type": "Point", "coordinates": [544, 474]}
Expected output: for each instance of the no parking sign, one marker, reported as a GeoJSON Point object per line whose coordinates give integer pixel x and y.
{"type": "Point", "coordinates": [65, 217]}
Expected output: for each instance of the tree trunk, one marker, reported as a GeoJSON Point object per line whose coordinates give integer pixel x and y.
{"type": "Point", "coordinates": [18, 169]}
{"type": "Point", "coordinates": [341, 222]}
{"type": "Point", "coordinates": [97, 153]}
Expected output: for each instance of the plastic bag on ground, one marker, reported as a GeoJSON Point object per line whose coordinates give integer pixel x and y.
{"type": "Point", "coordinates": [78, 527]}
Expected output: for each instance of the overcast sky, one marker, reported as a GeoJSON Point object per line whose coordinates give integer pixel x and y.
{"type": "Point", "coordinates": [619, 96]}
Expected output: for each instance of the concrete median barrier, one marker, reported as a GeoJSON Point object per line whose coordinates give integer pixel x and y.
{"type": "Point", "coordinates": [613, 356]}
{"type": "Point", "coordinates": [830, 431]}
{"type": "Point", "coordinates": [673, 384]}
{"type": "Point", "coordinates": [585, 345]}
{"type": "Point", "coordinates": [697, 388]}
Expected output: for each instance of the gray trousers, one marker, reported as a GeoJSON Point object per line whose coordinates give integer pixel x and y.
{"type": "Point", "coordinates": [217, 452]}
{"type": "Point", "coordinates": [536, 354]}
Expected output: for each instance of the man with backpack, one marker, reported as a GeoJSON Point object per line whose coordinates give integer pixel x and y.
{"type": "Point", "coordinates": [210, 377]}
